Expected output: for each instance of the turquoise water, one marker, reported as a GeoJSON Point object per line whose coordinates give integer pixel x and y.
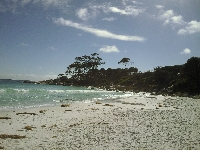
{"type": "Point", "coordinates": [15, 95]}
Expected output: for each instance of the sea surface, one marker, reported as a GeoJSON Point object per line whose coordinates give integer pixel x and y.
{"type": "Point", "coordinates": [16, 95]}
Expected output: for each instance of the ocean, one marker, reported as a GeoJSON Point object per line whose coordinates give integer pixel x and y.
{"type": "Point", "coordinates": [17, 95]}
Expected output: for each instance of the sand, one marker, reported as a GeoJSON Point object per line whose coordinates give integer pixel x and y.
{"type": "Point", "coordinates": [137, 122]}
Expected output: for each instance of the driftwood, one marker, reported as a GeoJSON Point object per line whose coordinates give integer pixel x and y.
{"type": "Point", "coordinates": [4, 136]}
{"type": "Point", "coordinates": [94, 108]}
{"type": "Point", "coordinates": [5, 118]}
{"type": "Point", "coordinates": [26, 113]}
{"type": "Point", "coordinates": [29, 127]}
{"type": "Point", "coordinates": [151, 97]}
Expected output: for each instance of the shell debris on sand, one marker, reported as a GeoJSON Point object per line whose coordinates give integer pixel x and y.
{"type": "Point", "coordinates": [117, 127]}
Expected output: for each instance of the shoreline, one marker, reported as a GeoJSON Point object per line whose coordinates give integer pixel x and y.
{"type": "Point", "coordinates": [153, 122]}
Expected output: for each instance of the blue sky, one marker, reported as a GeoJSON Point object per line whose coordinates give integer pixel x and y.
{"type": "Point", "coordinates": [40, 38]}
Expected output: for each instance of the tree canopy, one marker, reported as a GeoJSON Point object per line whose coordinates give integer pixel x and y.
{"type": "Point", "coordinates": [82, 65]}
{"type": "Point", "coordinates": [124, 61]}
{"type": "Point", "coordinates": [179, 78]}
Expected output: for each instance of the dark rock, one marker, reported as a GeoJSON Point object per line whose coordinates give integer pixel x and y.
{"type": "Point", "coordinates": [65, 105]}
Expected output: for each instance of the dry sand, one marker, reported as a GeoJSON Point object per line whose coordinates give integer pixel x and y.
{"type": "Point", "coordinates": [137, 122]}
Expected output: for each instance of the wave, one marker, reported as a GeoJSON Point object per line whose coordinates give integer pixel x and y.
{"type": "Point", "coordinates": [28, 95]}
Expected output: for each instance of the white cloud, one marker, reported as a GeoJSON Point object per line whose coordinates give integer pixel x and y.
{"type": "Point", "coordinates": [177, 20]}
{"type": "Point", "coordinates": [170, 18]}
{"type": "Point", "coordinates": [91, 11]}
{"type": "Point", "coordinates": [109, 49]}
{"type": "Point", "coordinates": [117, 10]}
{"type": "Point", "coordinates": [82, 14]}
{"type": "Point", "coordinates": [129, 10]}
{"type": "Point", "coordinates": [94, 9]}
{"type": "Point", "coordinates": [109, 19]}
{"type": "Point", "coordinates": [159, 6]}
{"type": "Point", "coordinates": [192, 27]}
{"type": "Point", "coordinates": [167, 15]}
{"type": "Point", "coordinates": [98, 32]}
{"type": "Point", "coordinates": [186, 51]}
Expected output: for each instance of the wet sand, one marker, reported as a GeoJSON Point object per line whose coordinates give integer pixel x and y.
{"type": "Point", "coordinates": [137, 122]}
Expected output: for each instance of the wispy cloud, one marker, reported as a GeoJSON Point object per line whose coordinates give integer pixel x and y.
{"type": "Point", "coordinates": [109, 49]}
{"type": "Point", "coordinates": [126, 2]}
{"type": "Point", "coordinates": [109, 19]}
{"type": "Point", "coordinates": [98, 32]}
{"type": "Point", "coordinates": [62, 4]}
{"type": "Point", "coordinates": [14, 5]}
{"type": "Point", "coordinates": [186, 51]}
{"type": "Point", "coordinates": [129, 10]}
{"type": "Point", "coordinates": [128, 7]}
{"type": "Point", "coordinates": [93, 9]}
{"type": "Point", "coordinates": [192, 27]}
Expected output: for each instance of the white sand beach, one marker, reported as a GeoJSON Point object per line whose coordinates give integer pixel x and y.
{"type": "Point", "coordinates": [137, 122]}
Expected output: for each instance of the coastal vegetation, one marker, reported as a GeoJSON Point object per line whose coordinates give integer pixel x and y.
{"type": "Point", "coordinates": [177, 79]}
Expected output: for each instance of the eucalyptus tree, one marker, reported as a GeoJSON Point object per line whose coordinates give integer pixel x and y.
{"type": "Point", "coordinates": [84, 67]}
{"type": "Point", "coordinates": [124, 61]}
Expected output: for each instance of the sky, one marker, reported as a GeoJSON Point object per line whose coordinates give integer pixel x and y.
{"type": "Point", "coordinates": [40, 38]}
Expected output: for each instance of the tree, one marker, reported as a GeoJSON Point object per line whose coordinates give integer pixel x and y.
{"type": "Point", "coordinates": [124, 61]}
{"type": "Point", "coordinates": [191, 74]}
{"type": "Point", "coordinates": [84, 66]}
{"type": "Point", "coordinates": [133, 70]}
{"type": "Point", "coordinates": [60, 75]}
{"type": "Point", "coordinates": [162, 77]}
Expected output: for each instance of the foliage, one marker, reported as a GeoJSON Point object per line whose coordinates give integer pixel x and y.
{"type": "Point", "coordinates": [162, 77]}
{"type": "Point", "coordinates": [169, 79]}
{"type": "Point", "coordinates": [83, 66]}
{"type": "Point", "coordinates": [124, 61]}
{"type": "Point", "coordinates": [189, 79]}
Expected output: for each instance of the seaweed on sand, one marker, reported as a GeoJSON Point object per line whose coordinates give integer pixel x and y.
{"type": "Point", "coordinates": [4, 136]}
{"type": "Point", "coordinates": [26, 113]}
{"type": "Point", "coordinates": [5, 118]}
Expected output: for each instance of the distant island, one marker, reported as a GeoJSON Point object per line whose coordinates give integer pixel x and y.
{"type": "Point", "coordinates": [23, 81]}
{"type": "Point", "coordinates": [5, 79]}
